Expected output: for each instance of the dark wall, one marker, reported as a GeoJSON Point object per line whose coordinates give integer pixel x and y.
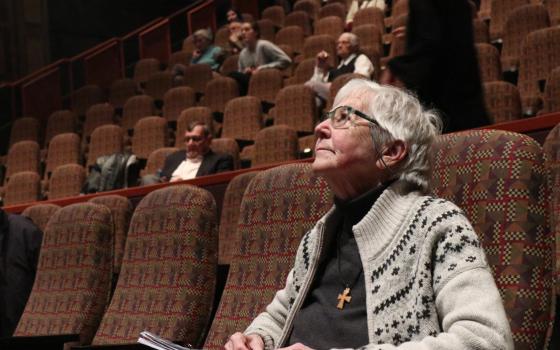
{"type": "Point", "coordinates": [77, 25]}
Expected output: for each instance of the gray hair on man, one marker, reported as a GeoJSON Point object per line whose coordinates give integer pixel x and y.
{"type": "Point", "coordinates": [353, 39]}
{"type": "Point", "coordinates": [401, 117]}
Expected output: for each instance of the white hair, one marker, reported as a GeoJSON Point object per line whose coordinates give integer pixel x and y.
{"type": "Point", "coordinates": [353, 39]}
{"type": "Point", "coordinates": [403, 118]}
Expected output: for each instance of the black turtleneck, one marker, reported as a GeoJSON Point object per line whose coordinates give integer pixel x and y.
{"type": "Point", "coordinates": [319, 324]}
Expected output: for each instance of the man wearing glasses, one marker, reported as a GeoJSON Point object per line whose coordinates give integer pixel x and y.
{"type": "Point", "coordinates": [388, 267]}
{"type": "Point", "coordinates": [196, 160]}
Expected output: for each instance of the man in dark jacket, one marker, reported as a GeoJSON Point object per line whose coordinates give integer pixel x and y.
{"type": "Point", "coordinates": [197, 160]}
{"type": "Point", "coordinates": [20, 243]}
{"type": "Point", "coordinates": [440, 63]}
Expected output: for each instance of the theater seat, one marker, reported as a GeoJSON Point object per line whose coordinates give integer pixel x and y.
{"type": "Point", "coordinates": [274, 144]}
{"type": "Point", "coordinates": [552, 150]}
{"type": "Point", "coordinates": [73, 277]}
{"type": "Point", "coordinates": [278, 207]}
{"type": "Point", "coordinates": [121, 211]}
{"type": "Point", "coordinates": [499, 179]}
{"type": "Point", "coordinates": [229, 240]}
{"type": "Point", "coordinates": [40, 214]}
{"type": "Point", "coordinates": [167, 278]}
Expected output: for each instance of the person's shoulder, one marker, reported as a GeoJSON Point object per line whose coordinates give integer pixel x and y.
{"type": "Point", "coordinates": [22, 223]}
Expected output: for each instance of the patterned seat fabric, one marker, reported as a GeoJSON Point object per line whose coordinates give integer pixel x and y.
{"type": "Point", "coordinates": [552, 150]}
{"type": "Point", "coordinates": [265, 84]}
{"type": "Point", "coordinates": [121, 90]}
{"type": "Point", "coordinates": [229, 241]}
{"type": "Point", "coordinates": [399, 8]}
{"type": "Point", "coordinates": [499, 179]}
{"type": "Point", "coordinates": [370, 39]}
{"type": "Point", "coordinates": [144, 69]}
{"type": "Point", "coordinates": [275, 144]}
{"type": "Point", "coordinates": [197, 76]}
{"type": "Point", "coordinates": [167, 279]}
{"type": "Point", "coordinates": [23, 187]}
{"type": "Point", "coordinates": [66, 181]}
{"type": "Point", "coordinates": [190, 115]}
{"type": "Point", "coordinates": [500, 10]}
{"type": "Point", "coordinates": [311, 7]}
{"type": "Point", "coordinates": [179, 57]}
{"type": "Point", "coordinates": [22, 156]}
{"type": "Point", "coordinates": [121, 211]}
{"type": "Point", "coordinates": [292, 36]}
{"type": "Point", "coordinates": [242, 118]}
{"type": "Point", "coordinates": [85, 97]}
{"type": "Point", "coordinates": [334, 9]}
{"type": "Point", "coordinates": [551, 98]}
{"type": "Point", "coordinates": [158, 84]}
{"type": "Point", "coordinates": [60, 122]}
{"type": "Point", "coordinates": [136, 108]}
{"type": "Point", "coordinates": [540, 54]}
{"type": "Point", "coordinates": [502, 101]}
{"type": "Point", "coordinates": [230, 65]}
{"type": "Point", "coordinates": [302, 73]}
{"type": "Point", "coordinates": [300, 19]}
{"type": "Point", "coordinates": [267, 29]}
{"type": "Point", "coordinates": [227, 146]}
{"type": "Point", "coordinates": [488, 62]}
{"type": "Point", "coordinates": [97, 115]}
{"type": "Point", "coordinates": [40, 214]}
{"type": "Point", "coordinates": [480, 31]}
{"type": "Point", "coordinates": [278, 207]}
{"type": "Point", "coordinates": [105, 140]}
{"type": "Point", "coordinates": [150, 133]}
{"type": "Point", "coordinates": [24, 129]}
{"type": "Point", "coordinates": [332, 25]}
{"type": "Point", "coordinates": [73, 279]}
{"type": "Point", "coordinates": [63, 149]}
{"type": "Point", "coordinates": [553, 8]}
{"type": "Point", "coordinates": [157, 159]}
{"type": "Point", "coordinates": [295, 106]}
{"type": "Point", "coordinates": [369, 15]}
{"type": "Point", "coordinates": [218, 92]}
{"type": "Point", "coordinates": [275, 14]}
{"type": "Point", "coordinates": [520, 22]}
{"type": "Point", "coordinates": [177, 100]}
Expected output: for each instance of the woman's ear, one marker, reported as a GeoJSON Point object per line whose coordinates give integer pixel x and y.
{"type": "Point", "coordinates": [394, 153]}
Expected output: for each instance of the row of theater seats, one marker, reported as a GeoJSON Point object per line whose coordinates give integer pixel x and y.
{"type": "Point", "coordinates": [167, 257]}
{"type": "Point", "coordinates": [208, 95]}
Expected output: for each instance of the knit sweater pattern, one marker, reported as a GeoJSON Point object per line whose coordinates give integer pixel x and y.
{"type": "Point", "coordinates": [419, 254]}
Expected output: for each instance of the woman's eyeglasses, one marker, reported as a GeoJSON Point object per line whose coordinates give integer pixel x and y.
{"type": "Point", "coordinates": [342, 115]}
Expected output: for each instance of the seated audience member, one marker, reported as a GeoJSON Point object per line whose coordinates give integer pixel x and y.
{"type": "Point", "coordinates": [233, 16]}
{"type": "Point", "coordinates": [235, 37]}
{"type": "Point", "coordinates": [206, 52]}
{"type": "Point", "coordinates": [20, 243]}
{"type": "Point", "coordinates": [351, 61]}
{"type": "Point", "coordinates": [362, 4]}
{"type": "Point", "coordinates": [196, 160]}
{"type": "Point", "coordinates": [389, 266]}
{"type": "Point", "coordinates": [257, 54]}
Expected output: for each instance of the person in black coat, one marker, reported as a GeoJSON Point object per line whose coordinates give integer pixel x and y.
{"type": "Point", "coordinates": [20, 243]}
{"type": "Point", "coordinates": [440, 63]}
{"type": "Point", "coordinates": [197, 159]}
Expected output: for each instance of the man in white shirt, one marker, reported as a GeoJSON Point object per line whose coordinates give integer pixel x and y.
{"type": "Point", "coordinates": [196, 160]}
{"type": "Point", "coordinates": [351, 61]}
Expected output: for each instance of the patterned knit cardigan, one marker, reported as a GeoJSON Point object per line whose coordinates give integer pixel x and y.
{"type": "Point", "coordinates": [428, 285]}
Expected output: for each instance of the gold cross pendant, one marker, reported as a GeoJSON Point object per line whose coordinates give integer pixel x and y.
{"type": "Point", "coordinates": [344, 297]}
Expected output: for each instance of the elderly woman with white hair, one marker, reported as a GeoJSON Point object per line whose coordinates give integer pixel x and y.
{"type": "Point", "coordinates": [389, 266]}
{"type": "Point", "coordinates": [351, 61]}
